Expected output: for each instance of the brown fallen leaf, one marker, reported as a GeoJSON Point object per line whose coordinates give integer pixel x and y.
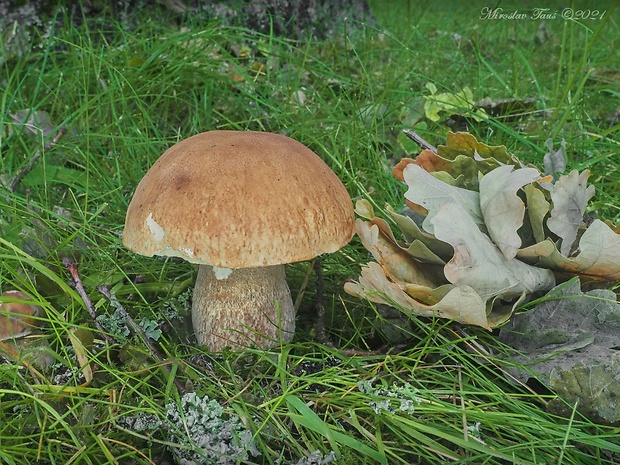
{"type": "Point", "coordinates": [461, 304]}
{"type": "Point", "coordinates": [570, 195]}
{"type": "Point", "coordinates": [397, 171]}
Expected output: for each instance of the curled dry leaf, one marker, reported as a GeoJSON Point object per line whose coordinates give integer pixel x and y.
{"type": "Point", "coordinates": [431, 193]}
{"type": "Point", "coordinates": [597, 259]}
{"type": "Point", "coordinates": [537, 209]}
{"type": "Point", "coordinates": [486, 157]}
{"type": "Point", "coordinates": [502, 209]}
{"type": "Point", "coordinates": [412, 276]}
{"type": "Point", "coordinates": [570, 195]}
{"type": "Point", "coordinates": [485, 224]}
{"type": "Point", "coordinates": [397, 171]}
{"type": "Point", "coordinates": [461, 304]}
{"type": "Point", "coordinates": [398, 262]}
{"type": "Point", "coordinates": [421, 245]}
{"type": "Point", "coordinates": [479, 263]}
{"type": "Point", "coordinates": [427, 159]}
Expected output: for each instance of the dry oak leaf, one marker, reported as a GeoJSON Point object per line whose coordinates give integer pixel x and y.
{"type": "Point", "coordinates": [400, 278]}
{"type": "Point", "coordinates": [570, 195]}
{"type": "Point", "coordinates": [427, 159]}
{"type": "Point", "coordinates": [502, 208]}
{"type": "Point", "coordinates": [461, 304]}
{"type": "Point", "coordinates": [597, 258]}
{"type": "Point", "coordinates": [422, 245]}
{"type": "Point", "coordinates": [413, 262]}
{"type": "Point", "coordinates": [431, 193]}
{"type": "Point", "coordinates": [454, 216]}
{"type": "Point", "coordinates": [478, 262]}
{"type": "Point", "coordinates": [396, 262]}
{"type": "Point", "coordinates": [537, 210]}
{"type": "Point", "coordinates": [488, 157]}
{"type": "Point", "coordinates": [568, 343]}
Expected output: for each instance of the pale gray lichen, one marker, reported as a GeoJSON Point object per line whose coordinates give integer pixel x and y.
{"type": "Point", "coordinates": [317, 458]}
{"type": "Point", "coordinates": [119, 327]}
{"type": "Point", "coordinates": [206, 434]}
{"type": "Point", "coordinates": [141, 422]}
{"type": "Point", "coordinates": [386, 399]}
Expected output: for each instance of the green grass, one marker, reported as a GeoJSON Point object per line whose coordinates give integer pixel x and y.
{"type": "Point", "coordinates": [126, 93]}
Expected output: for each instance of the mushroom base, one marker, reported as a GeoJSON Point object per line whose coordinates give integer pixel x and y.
{"type": "Point", "coordinates": [250, 307]}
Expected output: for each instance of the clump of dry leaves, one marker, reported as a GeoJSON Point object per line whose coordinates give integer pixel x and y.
{"type": "Point", "coordinates": [482, 233]}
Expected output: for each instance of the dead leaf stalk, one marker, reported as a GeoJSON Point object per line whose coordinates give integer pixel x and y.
{"type": "Point", "coordinates": [420, 141]}
{"type": "Point", "coordinates": [72, 267]}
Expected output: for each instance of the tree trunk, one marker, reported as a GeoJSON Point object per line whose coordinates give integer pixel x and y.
{"type": "Point", "coordinates": [295, 19]}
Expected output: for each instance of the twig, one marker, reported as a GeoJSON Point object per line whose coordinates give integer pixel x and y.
{"type": "Point", "coordinates": [320, 308]}
{"type": "Point", "coordinates": [105, 290]}
{"type": "Point", "coordinates": [383, 350]}
{"type": "Point", "coordinates": [135, 327]}
{"type": "Point", "coordinates": [79, 287]}
{"type": "Point", "coordinates": [30, 164]}
{"type": "Point", "coordinates": [418, 140]}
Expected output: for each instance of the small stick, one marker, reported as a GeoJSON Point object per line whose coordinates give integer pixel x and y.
{"type": "Point", "coordinates": [79, 287]}
{"type": "Point", "coordinates": [383, 350]}
{"type": "Point", "coordinates": [418, 140]}
{"type": "Point", "coordinates": [105, 290]}
{"type": "Point", "coordinates": [30, 164]}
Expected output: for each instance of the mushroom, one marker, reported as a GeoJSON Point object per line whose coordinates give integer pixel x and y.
{"type": "Point", "coordinates": [16, 316]}
{"type": "Point", "coordinates": [240, 204]}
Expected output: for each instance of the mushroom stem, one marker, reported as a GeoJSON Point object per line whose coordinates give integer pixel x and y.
{"type": "Point", "coordinates": [250, 307]}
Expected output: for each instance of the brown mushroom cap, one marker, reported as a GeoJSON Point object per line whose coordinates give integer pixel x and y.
{"type": "Point", "coordinates": [237, 199]}
{"type": "Point", "coordinates": [16, 318]}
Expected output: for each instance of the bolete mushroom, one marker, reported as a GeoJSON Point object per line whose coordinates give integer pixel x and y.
{"type": "Point", "coordinates": [240, 204]}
